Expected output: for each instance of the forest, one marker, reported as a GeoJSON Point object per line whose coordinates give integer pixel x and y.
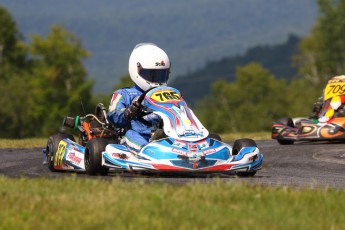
{"type": "Point", "coordinates": [275, 58]}
{"type": "Point", "coordinates": [45, 80]}
{"type": "Point", "coordinates": [192, 32]}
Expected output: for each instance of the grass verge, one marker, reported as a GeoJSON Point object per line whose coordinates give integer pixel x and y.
{"type": "Point", "coordinates": [23, 143]}
{"type": "Point", "coordinates": [77, 203]}
{"type": "Point", "coordinates": [74, 203]}
{"type": "Point", "coordinates": [41, 142]}
{"type": "Point", "coordinates": [255, 136]}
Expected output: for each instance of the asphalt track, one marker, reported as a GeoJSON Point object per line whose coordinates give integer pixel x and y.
{"type": "Point", "coordinates": [302, 165]}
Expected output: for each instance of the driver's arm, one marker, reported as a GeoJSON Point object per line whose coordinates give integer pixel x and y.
{"type": "Point", "coordinates": [118, 104]}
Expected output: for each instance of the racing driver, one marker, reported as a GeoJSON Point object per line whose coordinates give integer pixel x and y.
{"type": "Point", "coordinates": [149, 66]}
{"type": "Point", "coordinates": [332, 101]}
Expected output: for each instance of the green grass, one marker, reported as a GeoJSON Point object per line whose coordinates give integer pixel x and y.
{"type": "Point", "coordinates": [23, 143]}
{"type": "Point", "coordinates": [80, 203]}
{"type": "Point", "coordinates": [255, 136]}
{"type": "Point", "coordinates": [74, 203]}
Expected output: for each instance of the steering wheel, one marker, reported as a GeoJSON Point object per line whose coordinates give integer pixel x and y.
{"type": "Point", "coordinates": [140, 100]}
{"type": "Point", "coordinates": [142, 96]}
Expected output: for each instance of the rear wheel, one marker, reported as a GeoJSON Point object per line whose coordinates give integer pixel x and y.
{"type": "Point", "coordinates": [159, 134]}
{"type": "Point", "coordinates": [93, 157]}
{"type": "Point", "coordinates": [246, 174]}
{"type": "Point", "coordinates": [287, 122]}
{"type": "Point", "coordinates": [52, 147]}
{"type": "Point", "coordinates": [215, 136]}
{"type": "Point", "coordinates": [99, 112]}
{"type": "Point", "coordinates": [238, 145]}
{"type": "Point", "coordinates": [285, 142]}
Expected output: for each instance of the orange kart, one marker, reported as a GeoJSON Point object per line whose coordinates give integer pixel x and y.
{"type": "Point", "coordinates": [287, 130]}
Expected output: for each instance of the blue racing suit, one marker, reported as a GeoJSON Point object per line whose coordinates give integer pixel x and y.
{"type": "Point", "coordinates": [137, 134]}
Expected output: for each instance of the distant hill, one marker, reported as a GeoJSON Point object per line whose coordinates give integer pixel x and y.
{"type": "Point", "coordinates": [275, 58]}
{"type": "Point", "coordinates": [193, 32]}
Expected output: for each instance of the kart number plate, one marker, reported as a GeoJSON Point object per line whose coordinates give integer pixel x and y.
{"type": "Point", "coordinates": [60, 153]}
{"type": "Point", "coordinates": [334, 89]}
{"type": "Point", "coordinates": [166, 96]}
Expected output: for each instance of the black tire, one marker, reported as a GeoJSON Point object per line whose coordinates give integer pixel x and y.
{"type": "Point", "coordinates": [285, 142]}
{"type": "Point", "coordinates": [99, 112]}
{"type": "Point", "coordinates": [246, 174]}
{"type": "Point", "coordinates": [238, 145]}
{"type": "Point", "coordinates": [215, 136]}
{"type": "Point", "coordinates": [159, 134]}
{"type": "Point", "coordinates": [93, 157]}
{"type": "Point", "coordinates": [52, 147]}
{"type": "Point", "coordinates": [287, 122]}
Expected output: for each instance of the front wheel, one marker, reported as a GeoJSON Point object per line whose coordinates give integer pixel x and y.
{"type": "Point", "coordinates": [287, 122]}
{"type": "Point", "coordinates": [215, 136]}
{"type": "Point", "coordinates": [238, 145]}
{"type": "Point", "coordinates": [246, 174]}
{"type": "Point", "coordinates": [93, 157]}
{"type": "Point", "coordinates": [285, 142]}
{"type": "Point", "coordinates": [52, 148]}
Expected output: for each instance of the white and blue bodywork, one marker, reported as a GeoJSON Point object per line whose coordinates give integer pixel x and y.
{"type": "Point", "coordinates": [187, 146]}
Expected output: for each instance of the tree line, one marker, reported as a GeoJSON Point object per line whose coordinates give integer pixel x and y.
{"type": "Point", "coordinates": [45, 80]}
{"type": "Point", "coordinates": [256, 98]}
{"type": "Point", "coordinates": [40, 82]}
{"type": "Point", "coordinates": [276, 58]}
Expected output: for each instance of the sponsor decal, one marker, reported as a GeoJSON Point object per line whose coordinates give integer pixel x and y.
{"type": "Point", "coordinates": [179, 151]}
{"type": "Point", "coordinates": [149, 151]}
{"type": "Point", "coordinates": [193, 147]}
{"type": "Point", "coordinates": [119, 155]}
{"type": "Point", "coordinates": [179, 144]}
{"type": "Point", "coordinates": [73, 158]}
{"type": "Point", "coordinates": [73, 147]}
{"type": "Point", "coordinates": [208, 151]}
{"type": "Point", "coordinates": [60, 153]}
{"type": "Point", "coordinates": [162, 63]}
{"type": "Point", "coordinates": [191, 133]}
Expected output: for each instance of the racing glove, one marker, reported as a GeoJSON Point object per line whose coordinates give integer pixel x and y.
{"type": "Point", "coordinates": [133, 110]}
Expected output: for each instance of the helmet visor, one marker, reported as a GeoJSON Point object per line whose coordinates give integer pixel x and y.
{"type": "Point", "coordinates": [154, 75]}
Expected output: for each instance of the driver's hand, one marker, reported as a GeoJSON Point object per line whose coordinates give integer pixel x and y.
{"type": "Point", "coordinates": [133, 110]}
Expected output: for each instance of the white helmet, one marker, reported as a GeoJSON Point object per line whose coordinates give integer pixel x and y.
{"type": "Point", "coordinates": [149, 66]}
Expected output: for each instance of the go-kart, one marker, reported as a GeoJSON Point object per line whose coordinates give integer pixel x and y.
{"type": "Point", "coordinates": [287, 130]}
{"type": "Point", "coordinates": [180, 143]}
